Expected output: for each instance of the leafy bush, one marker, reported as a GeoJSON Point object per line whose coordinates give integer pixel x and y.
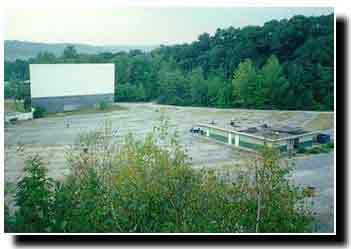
{"type": "Point", "coordinates": [39, 112]}
{"type": "Point", "coordinates": [148, 185]}
{"type": "Point", "coordinates": [301, 150]}
{"type": "Point", "coordinates": [324, 148]}
{"type": "Point", "coordinates": [329, 145]}
{"type": "Point", "coordinates": [103, 105]}
{"type": "Point", "coordinates": [319, 150]}
{"type": "Point", "coordinates": [20, 106]}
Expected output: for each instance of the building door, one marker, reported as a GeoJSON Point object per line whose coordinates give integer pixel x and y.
{"type": "Point", "coordinates": [290, 144]}
{"type": "Point", "coordinates": [296, 143]}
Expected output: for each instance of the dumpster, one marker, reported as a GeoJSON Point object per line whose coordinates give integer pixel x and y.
{"type": "Point", "coordinates": [323, 138]}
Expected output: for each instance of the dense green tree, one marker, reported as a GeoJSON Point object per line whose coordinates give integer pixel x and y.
{"type": "Point", "coordinates": [70, 53]}
{"type": "Point", "coordinates": [126, 92]}
{"type": "Point", "coordinates": [122, 66]}
{"type": "Point", "coordinates": [19, 69]}
{"type": "Point", "coordinates": [45, 57]}
{"type": "Point", "coordinates": [173, 87]}
{"type": "Point", "coordinates": [271, 79]}
{"type": "Point", "coordinates": [245, 80]}
{"type": "Point", "coordinates": [140, 93]}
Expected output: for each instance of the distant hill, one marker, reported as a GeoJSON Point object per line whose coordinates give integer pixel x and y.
{"type": "Point", "coordinates": [24, 50]}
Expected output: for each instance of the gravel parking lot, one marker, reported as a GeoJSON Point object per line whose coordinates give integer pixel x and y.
{"type": "Point", "coordinates": [318, 171]}
{"type": "Point", "coordinates": [50, 137]}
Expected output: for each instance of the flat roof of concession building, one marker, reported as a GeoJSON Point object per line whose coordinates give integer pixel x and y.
{"type": "Point", "coordinates": [265, 132]}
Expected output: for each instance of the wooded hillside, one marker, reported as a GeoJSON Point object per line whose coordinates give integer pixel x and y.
{"type": "Point", "coordinates": [286, 64]}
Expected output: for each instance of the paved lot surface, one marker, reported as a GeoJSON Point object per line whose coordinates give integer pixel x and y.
{"type": "Point", "coordinates": [318, 171]}
{"type": "Point", "coordinates": [50, 136]}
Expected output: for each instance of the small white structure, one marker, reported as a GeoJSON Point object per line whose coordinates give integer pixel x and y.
{"type": "Point", "coordinates": [18, 116]}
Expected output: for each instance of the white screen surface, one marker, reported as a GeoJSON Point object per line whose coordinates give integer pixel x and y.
{"type": "Point", "coordinates": [54, 80]}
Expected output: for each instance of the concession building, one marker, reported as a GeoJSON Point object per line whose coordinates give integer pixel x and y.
{"type": "Point", "coordinates": [286, 138]}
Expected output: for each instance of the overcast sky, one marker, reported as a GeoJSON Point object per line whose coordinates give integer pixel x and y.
{"type": "Point", "coordinates": [136, 25]}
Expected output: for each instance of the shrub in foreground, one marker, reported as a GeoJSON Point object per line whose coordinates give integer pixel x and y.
{"type": "Point", "coordinates": [103, 105]}
{"type": "Point", "coordinates": [39, 112]}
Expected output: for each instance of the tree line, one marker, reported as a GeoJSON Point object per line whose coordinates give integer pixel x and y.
{"type": "Point", "coordinates": [286, 64]}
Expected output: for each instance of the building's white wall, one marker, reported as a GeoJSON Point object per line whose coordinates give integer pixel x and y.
{"type": "Point", "coordinates": [251, 140]}
{"type": "Point", "coordinates": [306, 138]}
{"type": "Point", "coordinates": [53, 80]}
{"type": "Point", "coordinates": [219, 132]}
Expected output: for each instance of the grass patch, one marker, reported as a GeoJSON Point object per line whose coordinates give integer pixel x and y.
{"type": "Point", "coordinates": [321, 122]}
{"type": "Point", "coordinates": [324, 148]}
{"type": "Point", "coordinates": [12, 106]}
{"type": "Point", "coordinates": [94, 110]}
